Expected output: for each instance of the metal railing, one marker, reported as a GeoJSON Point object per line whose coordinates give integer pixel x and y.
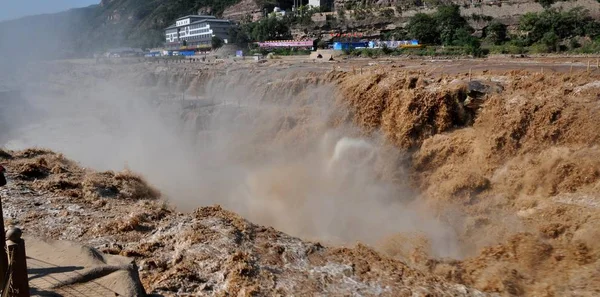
{"type": "Point", "coordinates": [16, 283]}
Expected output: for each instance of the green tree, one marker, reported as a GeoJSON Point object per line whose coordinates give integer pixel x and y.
{"type": "Point", "coordinates": [592, 29]}
{"type": "Point", "coordinates": [563, 24]}
{"type": "Point", "coordinates": [495, 32]}
{"type": "Point", "coordinates": [396, 34]}
{"type": "Point", "coordinates": [216, 42]}
{"type": "Point", "coordinates": [398, 8]}
{"type": "Point", "coordinates": [386, 50]}
{"type": "Point", "coordinates": [551, 40]}
{"type": "Point", "coordinates": [387, 13]}
{"type": "Point", "coordinates": [271, 29]}
{"type": "Point", "coordinates": [433, 3]}
{"type": "Point", "coordinates": [423, 28]}
{"type": "Point", "coordinates": [534, 27]}
{"type": "Point", "coordinates": [360, 14]}
{"type": "Point", "coordinates": [341, 13]}
{"type": "Point", "coordinates": [239, 35]}
{"type": "Point", "coordinates": [545, 3]}
{"type": "Point", "coordinates": [321, 44]}
{"type": "Point", "coordinates": [448, 21]}
{"type": "Point", "coordinates": [303, 16]}
{"type": "Point", "coordinates": [440, 27]}
{"type": "Point", "coordinates": [461, 37]}
{"type": "Point", "coordinates": [472, 45]}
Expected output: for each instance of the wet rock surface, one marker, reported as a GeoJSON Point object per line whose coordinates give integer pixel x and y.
{"type": "Point", "coordinates": [516, 181]}
{"type": "Point", "coordinates": [208, 252]}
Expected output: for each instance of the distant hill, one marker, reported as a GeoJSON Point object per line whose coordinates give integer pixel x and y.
{"type": "Point", "coordinates": [48, 35]}
{"type": "Point", "coordinates": [140, 23]}
{"type": "Point", "coordinates": [111, 23]}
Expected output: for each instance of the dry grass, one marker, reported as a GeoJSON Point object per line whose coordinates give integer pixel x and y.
{"type": "Point", "coordinates": [53, 172]}
{"type": "Point", "coordinates": [121, 185]}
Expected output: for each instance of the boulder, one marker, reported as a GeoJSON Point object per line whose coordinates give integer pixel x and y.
{"type": "Point", "coordinates": [476, 91]}
{"type": "Point", "coordinates": [479, 88]}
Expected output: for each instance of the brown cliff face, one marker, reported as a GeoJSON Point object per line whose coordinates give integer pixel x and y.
{"type": "Point", "coordinates": [244, 10]}
{"type": "Point", "coordinates": [453, 190]}
{"type": "Point", "coordinates": [524, 175]}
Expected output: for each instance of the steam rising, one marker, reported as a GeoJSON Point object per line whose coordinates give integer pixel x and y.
{"type": "Point", "coordinates": [271, 152]}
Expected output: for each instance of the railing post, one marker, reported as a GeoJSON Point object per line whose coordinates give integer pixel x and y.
{"type": "Point", "coordinates": [19, 286]}
{"type": "Point", "coordinates": [3, 257]}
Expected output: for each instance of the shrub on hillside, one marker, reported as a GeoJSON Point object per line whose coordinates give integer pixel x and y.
{"type": "Point", "coordinates": [562, 24]}
{"type": "Point", "coordinates": [422, 27]}
{"type": "Point", "coordinates": [496, 32]}
{"type": "Point", "coordinates": [545, 3]}
{"type": "Point", "coordinates": [445, 26]}
{"type": "Point", "coordinates": [217, 42]}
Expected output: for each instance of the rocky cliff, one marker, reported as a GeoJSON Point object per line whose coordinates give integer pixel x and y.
{"type": "Point", "coordinates": [114, 23]}
{"type": "Point", "coordinates": [454, 187]}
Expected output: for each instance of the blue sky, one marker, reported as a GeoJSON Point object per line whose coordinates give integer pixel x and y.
{"type": "Point", "coordinates": [12, 9]}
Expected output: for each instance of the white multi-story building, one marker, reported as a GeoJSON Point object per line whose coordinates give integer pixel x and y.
{"type": "Point", "coordinates": [196, 32]}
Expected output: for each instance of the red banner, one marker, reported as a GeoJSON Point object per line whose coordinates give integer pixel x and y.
{"type": "Point", "coordinates": [286, 43]}
{"type": "Point", "coordinates": [355, 34]}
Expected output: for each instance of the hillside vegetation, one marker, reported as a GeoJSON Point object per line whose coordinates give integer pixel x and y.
{"type": "Point", "coordinates": [92, 29]}
{"type": "Point", "coordinates": [140, 23]}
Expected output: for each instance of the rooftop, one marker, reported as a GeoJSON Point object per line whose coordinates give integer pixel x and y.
{"type": "Point", "coordinates": [211, 20]}
{"type": "Point", "coordinates": [197, 16]}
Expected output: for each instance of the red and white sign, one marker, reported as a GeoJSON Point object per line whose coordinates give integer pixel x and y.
{"type": "Point", "coordinates": [354, 34]}
{"type": "Point", "coordinates": [286, 43]}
